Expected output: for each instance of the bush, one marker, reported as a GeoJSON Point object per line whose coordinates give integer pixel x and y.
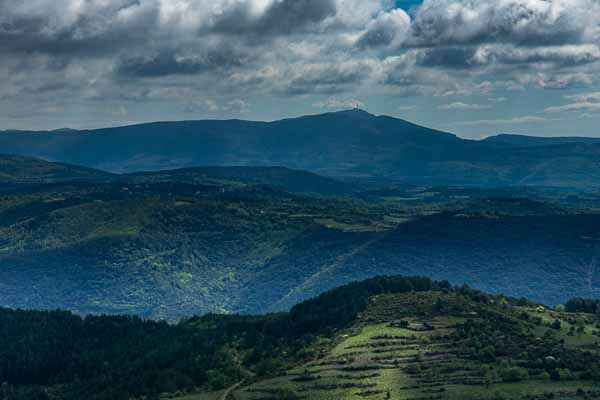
{"type": "Point", "coordinates": [514, 374]}
{"type": "Point", "coordinates": [285, 394]}
{"type": "Point", "coordinates": [556, 324]}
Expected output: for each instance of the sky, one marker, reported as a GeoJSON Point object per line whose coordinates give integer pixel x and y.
{"type": "Point", "coordinates": [471, 67]}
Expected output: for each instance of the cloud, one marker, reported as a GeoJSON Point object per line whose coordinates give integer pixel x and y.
{"type": "Point", "coordinates": [202, 105]}
{"type": "Point", "coordinates": [326, 77]}
{"type": "Point", "coordinates": [581, 106]}
{"type": "Point", "coordinates": [568, 55]}
{"type": "Point", "coordinates": [74, 27]}
{"type": "Point", "coordinates": [529, 119]}
{"type": "Point", "coordinates": [585, 97]}
{"type": "Point", "coordinates": [164, 64]}
{"type": "Point", "coordinates": [270, 17]}
{"type": "Point", "coordinates": [334, 103]}
{"type": "Point", "coordinates": [119, 110]}
{"type": "Point", "coordinates": [181, 52]}
{"type": "Point", "coordinates": [463, 106]}
{"type": "Point", "coordinates": [406, 108]}
{"type": "Point", "coordinates": [237, 106]}
{"type": "Point", "coordinates": [522, 22]}
{"type": "Point", "coordinates": [388, 29]}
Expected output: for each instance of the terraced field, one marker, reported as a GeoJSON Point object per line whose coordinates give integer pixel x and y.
{"type": "Point", "coordinates": [419, 346]}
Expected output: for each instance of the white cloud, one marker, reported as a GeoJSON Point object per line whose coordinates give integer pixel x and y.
{"type": "Point", "coordinates": [585, 97]}
{"type": "Point", "coordinates": [581, 106]}
{"type": "Point", "coordinates": [335, 103]}
{"type": "Point", "coordinates": [463, 106]}
{"type": "Point", "coordinates": [202, 105]}
{"type": "Point", "coordinates": [237, 106]}
{"type": "Point", "coordinates": [388, 29]}
{"type": "Point", "coordinates": [531, 22]}
{"type": "Point", "coordinates": [528, 119]}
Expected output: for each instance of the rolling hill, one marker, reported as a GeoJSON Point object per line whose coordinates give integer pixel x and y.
{"type": "Point", "coordinates": [349, 144]}
{"type": "Point", "coordinates": [171, 244]}
{"type": "Point", "coordinates": [295, 181]}
{"type": "Point", "coordinates": [19, 170]}
{"type": "Point", "coordinates": [385, 338]}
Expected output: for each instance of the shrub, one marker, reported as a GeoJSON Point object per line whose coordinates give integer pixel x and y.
{"type": "Point", "coordinates": [514, 374]}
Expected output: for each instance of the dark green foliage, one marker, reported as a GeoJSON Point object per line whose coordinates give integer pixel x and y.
{"type": "Point", "coordinates": [340, 306]}
{"type": "Point", "coordinates": [514, 374]}
{"type": "Point", "coordinates": [103, 357]}
{"type": "Point", "coordinates": [64, 356]}
{"type": "Point", "coordinates": [591, 306]}
{"type": "Point", "coordinates": [171, 244]}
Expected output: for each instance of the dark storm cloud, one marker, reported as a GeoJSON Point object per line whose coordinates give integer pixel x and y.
{"type": "Point", "coordinates": [447, 57]}
{"type": "Point", "coordinates": [47, 30]}
{"type": "Point", "coordinates": [281, 17]}
{"type": "Point", "coordinates": [327, 78]}
{"type": "Point", "coordinates": [172, 63]}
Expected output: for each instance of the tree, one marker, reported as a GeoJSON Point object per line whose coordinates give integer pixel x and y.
{"type": "Point", "coordinates": [514, 374]}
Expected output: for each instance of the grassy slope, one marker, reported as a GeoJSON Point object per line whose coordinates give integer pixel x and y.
{"type": "Point", "coordinates": [376, 359]}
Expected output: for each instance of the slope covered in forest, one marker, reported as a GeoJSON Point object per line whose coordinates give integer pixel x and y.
{"type": "Point", "coordinates": [171, 244]}
{"type": "Point", "coordinates": [384, 338]}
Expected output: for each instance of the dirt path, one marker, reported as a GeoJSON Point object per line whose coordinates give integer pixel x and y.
{"type": "Point", "coordinates": [231, 389]}
{"type": "Point", "coordinates": [228, 394]}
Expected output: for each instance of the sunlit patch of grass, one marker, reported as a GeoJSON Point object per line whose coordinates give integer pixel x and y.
{"type": "Point", "coordinates": [366, 335]}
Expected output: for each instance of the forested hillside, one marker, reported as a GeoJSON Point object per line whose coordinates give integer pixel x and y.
{"type": "Point", "coordinates": [172, 244]}
{"type": "Point", "coordinates": [388, 337]}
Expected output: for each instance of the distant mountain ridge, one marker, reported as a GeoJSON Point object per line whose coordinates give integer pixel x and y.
{"type": "Point", "coordinates": [348, 144]}
{"type": "Point", "coordinates": [529, 141]}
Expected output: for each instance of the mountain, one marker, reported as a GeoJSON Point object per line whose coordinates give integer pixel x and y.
{"type": "Point", "coordinates": [171, 244]}
{"type": "Point", "coordinates": [385, 338]}
{"type": "Point", "coordinates": [350, 145]}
